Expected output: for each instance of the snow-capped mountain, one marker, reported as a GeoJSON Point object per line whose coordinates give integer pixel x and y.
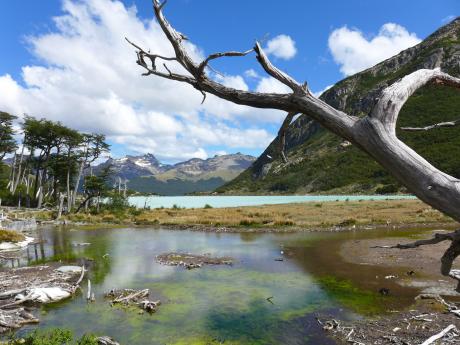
{"type": "Point", "coordinates": [147, 174]}
{"type": "Point", "coordinates": [130, 167]}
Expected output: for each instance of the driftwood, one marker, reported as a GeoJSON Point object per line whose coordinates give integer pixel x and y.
{"type": "Point", "coordinates": [130, 297]}
{"type": "Point", "coordinates": [430, 127]}
{"type": "Point", "coordinates": [32, 285]}
{"type": "Point", "coordinates": [451, 308]}
{"type": "Point", "coordinates": [106, 341]}
{"type": "Point", "coordinates": [191, 261]}
{"type": "Point", "coordinates": [439, 335]}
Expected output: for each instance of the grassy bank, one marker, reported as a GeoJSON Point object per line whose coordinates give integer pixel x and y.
{"type": "Point", "coordinates": [11, 236]}
{"type": "Point", "coordinates": [293, 216]}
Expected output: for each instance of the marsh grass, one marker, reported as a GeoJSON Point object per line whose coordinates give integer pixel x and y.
{"type": "Point", "coordinates": [11, 236]}
{"type": "Point", "coordinates": [302, 215]}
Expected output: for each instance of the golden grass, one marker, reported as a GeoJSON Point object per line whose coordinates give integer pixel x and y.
{"type": "Point", "coordinates": [302, 215]}
{"type": "Point", "coordinates": [11, 236]}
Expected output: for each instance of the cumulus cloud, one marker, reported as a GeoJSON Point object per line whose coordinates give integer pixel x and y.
{"type": "Point", "coordinates": [87, 78]}
{"type": "Point", "coordinates": [354, 52]}
{"type": "Point", "coordinates": [251, 73]}
{"type": "Point", "coordinates": [281, 46]}
{"type": "Point", "coordinates": [271, 85]}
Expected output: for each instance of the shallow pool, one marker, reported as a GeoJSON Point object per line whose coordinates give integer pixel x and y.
{"type": "Point", "coordinates": [214, 305]}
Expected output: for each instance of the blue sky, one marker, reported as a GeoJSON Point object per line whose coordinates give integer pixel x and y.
{"type": "Point", "coordinates": [51, 64]}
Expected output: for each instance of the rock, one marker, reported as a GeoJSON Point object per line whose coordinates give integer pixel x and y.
{"type": "Point", "coordinates": [10, 246]}
{"type": "Point", "coordinates": [106, 341]}
{"type": "Point", "coordinates": [47, 294]}
{"type": "Point", "coordinates": [69, 269]}
{"type": "Point", "coordinates": [384, 291]}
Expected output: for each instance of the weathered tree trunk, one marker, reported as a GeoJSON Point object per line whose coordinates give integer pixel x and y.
{"type": "Point", "coordinates": [77, 183]}
{"type": "Point", "coordinates": [420, 177]}
{"type": "Point", "coordinates": [61, 205]}
{"type": "Point", "coordinates": [69, 196]}
{"type": "Point", "coordinates": [12, 174]}
{"type": "Point", "coordinates": [19, 176]}
{"type": "Point", "coordinates": [374, 134]}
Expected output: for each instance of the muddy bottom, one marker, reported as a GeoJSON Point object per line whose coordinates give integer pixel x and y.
{"type": "Point", "coordinates": [417, 267]}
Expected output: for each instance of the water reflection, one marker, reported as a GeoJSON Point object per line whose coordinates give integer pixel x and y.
{"type": "Point", "coordinates": [212, 304]}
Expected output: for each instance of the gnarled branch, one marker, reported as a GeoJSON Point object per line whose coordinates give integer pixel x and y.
{"type": "Point", "coordinates": [277, 73]}
{"type": "Point", "coordinates": [214, 56]}
{"type": "Point", "coordinates": [436, 125]}
{"type": "Point", "coordinates": [395, 96]}
{"type": "Point", "coordinates": [374, 134]}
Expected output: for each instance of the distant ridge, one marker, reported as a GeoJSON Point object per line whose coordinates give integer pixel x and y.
{"type": "Point", "coordinates": [147, 174]}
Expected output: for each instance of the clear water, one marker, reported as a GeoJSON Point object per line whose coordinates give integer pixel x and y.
{"type": "Point", "coordinates": [248, 200]}
{"type": "Point", "coordinates": [214, 305]}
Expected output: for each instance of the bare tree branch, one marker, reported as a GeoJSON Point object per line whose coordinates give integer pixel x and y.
{"type": "Point", "coordinates": [436, 125]}
{"type": "Point", "coordinates": [374, 134]}
{"type": "Point", "coordinates": [395, 96]}
{"type": "Point", "coordinates": [142, 54]}
{"type": "Point", "coordinates": [438, 237]}
{"type": "Point", "coordinates": [277, 73]}
{"type": "Point", "coordinates": [214, 56]}
{"type": "Point", "coordinates": [175, 38]}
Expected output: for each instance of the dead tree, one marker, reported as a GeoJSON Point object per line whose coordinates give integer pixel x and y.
{"type": "Point", "coordinates": [375, 133]}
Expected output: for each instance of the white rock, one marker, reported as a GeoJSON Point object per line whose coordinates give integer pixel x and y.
{"type": "Point", "coordinates": [69, 269]}
{"type": "Point", "coordinates": [10, 246]}
{"type": "Point", "coordinates": [48, 294]}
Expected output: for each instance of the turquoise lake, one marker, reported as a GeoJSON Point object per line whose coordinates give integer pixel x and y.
{"type": "Point", "coordinates": [248, 200]}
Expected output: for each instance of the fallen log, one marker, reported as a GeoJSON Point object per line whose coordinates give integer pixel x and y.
{"type": "Point", "coordinates": [439, 335]}
{"type": "Point", "coordinates": [129, 297]}
{"type": "Point", "coordinates": [106, 341]}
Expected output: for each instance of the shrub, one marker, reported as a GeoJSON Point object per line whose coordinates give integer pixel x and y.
{"type": "Point", "coordinates": [207, 206]}
{"type": "Point", "coordinates": [348, 222]}
{"type": "Point", "coordinates": [387, 189]}
{"type": "Point", "coordinates": [54, 337]}
{"type": "Point", "coordinates": [247, 222]}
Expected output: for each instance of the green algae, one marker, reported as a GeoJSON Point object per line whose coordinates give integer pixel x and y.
{"type": "Point", "coordinates": [361, 301]}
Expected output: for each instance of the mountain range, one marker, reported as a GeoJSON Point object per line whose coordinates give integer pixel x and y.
{"type": "Point", "coordinates": [321, 162]}
{"type": "Point", "coordinates": [147, 174]}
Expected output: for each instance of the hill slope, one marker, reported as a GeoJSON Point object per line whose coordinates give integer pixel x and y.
{"type": "Point", "coordinates": [322, 162]}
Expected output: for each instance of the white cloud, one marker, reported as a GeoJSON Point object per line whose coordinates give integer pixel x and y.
{"type": "Point", "coordinates": [281, 46]}
{"type": "Point", "coordinates": [271, 85]}
{"type": "Point", "coordinates": [251, 73]}
{"type": "Point", "coordinates": [88, 80]}
{"type": "Point", "coordinates": [234, 81]}
{"type": "Point", "coordinates": [354, 52]}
